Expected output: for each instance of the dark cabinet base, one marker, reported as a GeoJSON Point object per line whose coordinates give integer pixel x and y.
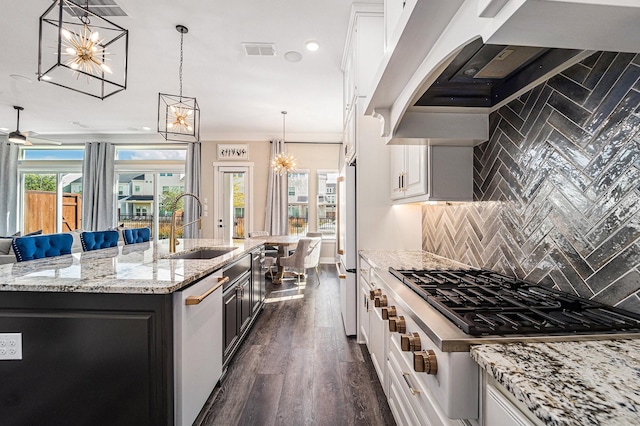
{"type": "Point", "coordinates": [88, 359]}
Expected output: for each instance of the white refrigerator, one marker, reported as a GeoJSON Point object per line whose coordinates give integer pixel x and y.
{"type": "Point", "coordinates": [366, 218]}
{"type": "Point", "coordinates": [346, 247]}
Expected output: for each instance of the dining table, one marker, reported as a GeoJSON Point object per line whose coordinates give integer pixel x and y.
{"type": "Point", "coordinates": [282, 242]}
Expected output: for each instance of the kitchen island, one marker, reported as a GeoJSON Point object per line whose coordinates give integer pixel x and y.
{"type": "Point", "coordinates": [103, 333]}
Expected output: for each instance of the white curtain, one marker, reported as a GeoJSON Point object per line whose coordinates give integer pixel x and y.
{"type": "Point", "coordinates": [192, 185]}
{"type": "Point", "coordinates": [276, 216]}
{"type": "Point", "coordinates": [98, 186]}
{"type": "Point", "coordinates": [8, 188]}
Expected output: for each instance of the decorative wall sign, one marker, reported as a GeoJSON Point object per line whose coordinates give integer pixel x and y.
{"type": "Point", "coordinates": [233, 152]}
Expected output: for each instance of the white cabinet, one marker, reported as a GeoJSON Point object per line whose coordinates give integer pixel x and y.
{"type": "Point", "coordinates": [363, 52]}
{"type": "Point", "coordinates": [431, 173]}
{"type": "Point", "coordinates": [392, 11]}
{"type": "Point", "coordinates": [364, 48]}
{"type": "Point", "coordinates": [363, 299]}
{"type": "Point", "coordinates": [378, 334]}
{"type": "Point", "coordinates": [500, 407]}
{"type": "Point", "coordinates": [197, 334]}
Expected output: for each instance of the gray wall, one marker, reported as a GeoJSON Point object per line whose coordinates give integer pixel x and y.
{"type": "Point", "coordinates": [557, 187]}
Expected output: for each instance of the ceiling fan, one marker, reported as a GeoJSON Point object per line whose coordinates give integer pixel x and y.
{"type": "Point", "coordinates": [20, 138]}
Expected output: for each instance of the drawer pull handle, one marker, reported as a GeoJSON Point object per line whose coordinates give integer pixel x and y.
{"type": "Point", "coordinates": [194, 300]}
{"type": "Point", "coordinates": [411, 388]}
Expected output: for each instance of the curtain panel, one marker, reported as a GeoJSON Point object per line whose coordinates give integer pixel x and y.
{"type": "Point", "coordinates": [8, 188]}
{"type": "Point", "coordinates": [98, 181]}
{"type": "Point", "coordinates": [276, 215]}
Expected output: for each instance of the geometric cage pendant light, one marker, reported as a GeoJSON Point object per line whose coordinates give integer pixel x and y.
{"type": "Point", "coordinates": [82, 51]}
{"type": "Point", "coordinates": [179, 116]}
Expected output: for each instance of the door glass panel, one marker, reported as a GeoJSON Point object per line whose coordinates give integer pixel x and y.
{"type": "Point", "coordinates": [239, 206]}
{"type": "Point", "coordinates": [71, 184]}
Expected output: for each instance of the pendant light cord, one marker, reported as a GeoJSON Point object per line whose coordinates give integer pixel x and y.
{"type": "Point", "coordinates": [181, 56]}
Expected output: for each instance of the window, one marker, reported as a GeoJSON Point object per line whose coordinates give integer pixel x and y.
{"type": "Point", "coordinates": [298, 203]}
{"type": "Point", "coordinates": [50, 195]}
{"type": "Point", "coordinates": [327, 183]}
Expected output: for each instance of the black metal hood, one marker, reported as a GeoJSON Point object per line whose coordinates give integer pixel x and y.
{"type": "Point", "coordinates": [484, 75]}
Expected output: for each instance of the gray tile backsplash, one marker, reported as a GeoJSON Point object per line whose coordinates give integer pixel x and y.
{"type": "Point", "coordinates": [557, 187]}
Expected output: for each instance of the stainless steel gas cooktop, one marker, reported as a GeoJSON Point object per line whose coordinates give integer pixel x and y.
{"type": "Point", "coordinates": [483, 302]}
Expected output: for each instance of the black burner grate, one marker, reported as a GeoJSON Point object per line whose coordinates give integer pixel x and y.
{"type": "Point", "coordinates": [483, 302]}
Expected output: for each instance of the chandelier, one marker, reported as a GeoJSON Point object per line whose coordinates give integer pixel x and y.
{"type": "Point", "coordinates": [82, 51]}
{"type": "Point", "coordinates": [179, 116]}
{"type": "Point", "coordinates": [282, 162]}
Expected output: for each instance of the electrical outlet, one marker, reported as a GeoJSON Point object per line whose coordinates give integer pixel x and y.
{"type": "Point", "coordinates": [10, 346]}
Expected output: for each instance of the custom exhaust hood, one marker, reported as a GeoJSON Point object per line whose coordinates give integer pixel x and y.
{"type": "Point", "coordinates": [450, 63]}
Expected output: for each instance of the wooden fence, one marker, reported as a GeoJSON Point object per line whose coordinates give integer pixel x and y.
{"type": "Point", "coordinates": [40, 212]}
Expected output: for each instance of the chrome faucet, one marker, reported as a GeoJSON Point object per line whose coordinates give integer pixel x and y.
{"type": "Point", "coordinates": [173, 241]}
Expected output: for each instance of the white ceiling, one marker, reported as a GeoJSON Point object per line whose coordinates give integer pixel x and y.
{"type": "Point", "coordinates": [240, 97]}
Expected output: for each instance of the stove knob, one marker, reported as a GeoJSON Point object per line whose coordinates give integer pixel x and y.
{"type": "Point", "coordinates": [388, 312]}
{"type": "Point", "coordinates": [410, 342]}
{"type": "Point", "coordinates": [374, 293]}
{"type": "Point", "coordinates": [380, 301]}
{"type": "Point", "coordinates": [401, 325]}
{"type": "Point", "coordinates": [425, 362]}
{"type": "Point", "coordinates": [397, 324]}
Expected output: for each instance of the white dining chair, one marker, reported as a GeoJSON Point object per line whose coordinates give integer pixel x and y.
{"type": "Point", "coordinates": [307, 255]}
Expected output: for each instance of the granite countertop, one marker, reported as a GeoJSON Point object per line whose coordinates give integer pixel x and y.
{"type": "Point", "coordinates": [137, 268]}
{"type": "Point", "coordinates": [570, 383]}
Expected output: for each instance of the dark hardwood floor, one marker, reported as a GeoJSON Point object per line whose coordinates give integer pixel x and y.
{"type": "Point", "coordinates": [297, 367]}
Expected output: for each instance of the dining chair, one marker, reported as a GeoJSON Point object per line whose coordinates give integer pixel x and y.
{"type": "Point", "coordinates": [41, 246]}
{"type": "Point", "coordinates": [136, 235]}
{"type": "Point", "coordinates": [307, 255]}
{"type": "Point", "coordinates": [96, 240]}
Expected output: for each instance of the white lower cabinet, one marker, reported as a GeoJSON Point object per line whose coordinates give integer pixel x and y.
{"type": "Point", "coordinates": [378, 335]}
{"type": "Point", "coordinates": [363, 312]}
{"type": "Point", "coordinates": [501, 409]}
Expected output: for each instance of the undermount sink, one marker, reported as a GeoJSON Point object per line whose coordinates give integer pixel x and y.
{"type": "Point", "coordinates": [204, 253]}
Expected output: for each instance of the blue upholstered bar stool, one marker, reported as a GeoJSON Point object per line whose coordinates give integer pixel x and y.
{"type": "Point", "coordinates": [98, 240]}
{"type": "Point", "coordinates": [136, 235]}
{"type": "Point", "coordinates": [41, 246]}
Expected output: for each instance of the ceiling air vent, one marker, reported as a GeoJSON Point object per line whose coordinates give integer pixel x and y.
{"type": "Point", "coordinates": [259, 49]}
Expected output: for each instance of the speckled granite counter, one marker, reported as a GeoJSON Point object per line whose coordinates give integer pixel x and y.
{"type": "Point", "coordinates": [144, 268]}
{"type": "Point", "coordinates": [570, 383]}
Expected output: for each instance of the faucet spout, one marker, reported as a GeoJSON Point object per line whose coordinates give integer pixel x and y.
{"type": "Point", "coordinates": [173, 241]}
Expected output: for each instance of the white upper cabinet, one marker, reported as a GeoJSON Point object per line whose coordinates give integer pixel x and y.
{"type": "Point", "coordinates": [392, 12]}
{"type": "Point", "coordinates": [431, 173]}
{"type": "Point", "coordinates": [363, 52]}
{"type": "Point", "coordinates": [362, 55]}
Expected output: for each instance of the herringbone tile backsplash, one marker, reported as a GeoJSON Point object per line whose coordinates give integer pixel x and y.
{"type": "Point", "coordinates": [557, 187]}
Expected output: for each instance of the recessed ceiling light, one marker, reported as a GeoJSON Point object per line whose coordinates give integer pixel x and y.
{"type": "Point", "coordinates": [293, 56]}
{"type": "Point", "coordinates": [312, 45]}
{"type": "Point", "coordinates": [45, 78]}
{"type": "Point", "coordinates": [146, 128]}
